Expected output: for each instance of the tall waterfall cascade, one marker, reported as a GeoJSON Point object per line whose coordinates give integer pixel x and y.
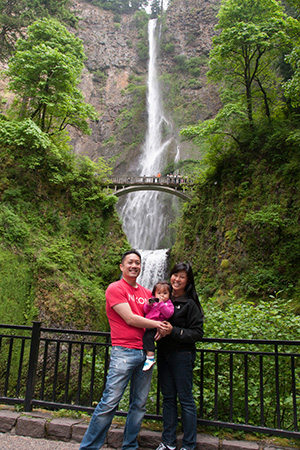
{"type": "Point", "coordinates": [146, 215]}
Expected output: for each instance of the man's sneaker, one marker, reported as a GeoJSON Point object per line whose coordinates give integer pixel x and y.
{"type": "Point", "coordinates": [148, 364]}
{"type": "Point", "coordinates": [163, 446]}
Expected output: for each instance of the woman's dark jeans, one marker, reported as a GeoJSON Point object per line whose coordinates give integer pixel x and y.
{"type": "Point", "coordinates": [175, 370]}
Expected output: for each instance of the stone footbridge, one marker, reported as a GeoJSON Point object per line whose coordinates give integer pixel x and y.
{"type": "Point", "coordinates": [174, 185]}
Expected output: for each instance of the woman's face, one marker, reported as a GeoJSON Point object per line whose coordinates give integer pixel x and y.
{"type": "Point", "coordinates": [179, 281]}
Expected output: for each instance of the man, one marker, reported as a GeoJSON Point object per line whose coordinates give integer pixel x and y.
{"type": "Point", "coordinates": [124, 308]}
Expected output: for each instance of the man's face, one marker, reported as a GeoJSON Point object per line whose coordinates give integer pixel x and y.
{"type": "Point", "coordinates": [131, 267]}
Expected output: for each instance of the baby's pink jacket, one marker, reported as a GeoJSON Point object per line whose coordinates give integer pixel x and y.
{"type": "Point", "coordinates": [159, 311]}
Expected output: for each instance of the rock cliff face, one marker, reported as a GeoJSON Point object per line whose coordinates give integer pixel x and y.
{"type": "Point", "coordinates": [192, 24]}
{"type": "Point", "coordinates": [111, 58]}
{"type": "Point", "coordinates": [115, 77]}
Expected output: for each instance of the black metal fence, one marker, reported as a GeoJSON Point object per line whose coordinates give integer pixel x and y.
{"type": "Point", "coordinates": [250, 385]}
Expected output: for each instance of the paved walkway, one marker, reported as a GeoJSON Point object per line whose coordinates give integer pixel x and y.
{"type": "Point", "coordinates": [11, 442]}
{"type": "Point", "coordinates": [41, 431]}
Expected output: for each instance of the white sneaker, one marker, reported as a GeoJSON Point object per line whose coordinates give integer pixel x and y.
{"type": "Point", "coordinates": [163, 446]}
{"type": "Point", "coordinates": [148, 364]}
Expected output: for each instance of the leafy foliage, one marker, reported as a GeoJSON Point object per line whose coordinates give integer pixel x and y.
{"type": "Point", "coordinates": [56, 216]}
{"type": "Point", "coordinates": [252, 35]}
{"type": "Point", "coordinates": [244, 61]}
{"type": "Point", "coordinates": [15, 16]}
{"type": "Point", "coordinates": [227, 122]}
{"type": "Point", "coordinates": [190, 167]}
{"type": "Point", "coordinates": [292, 86]}
{"type": "Point", "coordinates": [270, 319]}
{"type": "Point", "coordinates": [243, 217]}
{"type": "Point", "coordinates": [244, 211]}
{"type": "Point", "coordinates": [16, 293]}
{"type": "Point", "coordinates": [12, 227]}
{"type": "Point", "coordinates": [44, 73]}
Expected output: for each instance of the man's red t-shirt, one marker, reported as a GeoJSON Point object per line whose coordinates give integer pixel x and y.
{"type": "Point", "coordinates": [122, 292]}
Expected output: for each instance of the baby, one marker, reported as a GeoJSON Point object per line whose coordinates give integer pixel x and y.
{"type": "Point", "coordinates": [160, 307]}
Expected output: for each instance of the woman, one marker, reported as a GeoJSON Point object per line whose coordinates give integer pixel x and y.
{"type": "Point", "coordinates": [175, 359]}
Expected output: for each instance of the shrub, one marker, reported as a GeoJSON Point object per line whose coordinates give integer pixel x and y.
{"type": "Point", "coordinates": [169, 48]}
{"type": "Point", "coordinates": [16, 290]}
{"type": "Point", "coordinates": [57, 256]}
{"type": "Point", "coordinates": [12, 227]}
{"type": "Point", "coordinates": [270, 319]}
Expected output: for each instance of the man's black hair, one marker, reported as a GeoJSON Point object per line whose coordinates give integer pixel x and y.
{"type": "Point", "coordinates": [129, 252]}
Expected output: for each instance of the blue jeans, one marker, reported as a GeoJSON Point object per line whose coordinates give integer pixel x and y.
{"type": "Point", "coordinates": [125, 365]}
{"type": "Point", "coordinates": [175, 371]}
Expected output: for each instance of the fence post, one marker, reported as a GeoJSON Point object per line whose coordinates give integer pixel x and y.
{"type": "Point", "coordinates": [33, 357]}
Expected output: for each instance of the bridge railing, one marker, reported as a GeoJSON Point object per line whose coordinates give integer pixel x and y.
{"type": "Point", "coordinates": [169, 180]}
{"type": "Point", "coordinates": [250, 385]}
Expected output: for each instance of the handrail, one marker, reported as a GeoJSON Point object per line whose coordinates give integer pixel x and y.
{"type": "Point", "coordinates": [175, 185]}
{"type": "Point", "coordinates": [252, 389]}
{"type": "Point", "coordinates": [169, 180]}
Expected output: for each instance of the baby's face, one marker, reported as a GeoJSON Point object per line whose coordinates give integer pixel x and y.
{"type": "Point", "coordinates": [162, 293]}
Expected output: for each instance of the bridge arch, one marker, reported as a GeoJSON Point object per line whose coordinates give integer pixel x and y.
{"type": "Point", "coordinates": [166, 189]}
{"type": "Point", "coordinates": [171, 185]}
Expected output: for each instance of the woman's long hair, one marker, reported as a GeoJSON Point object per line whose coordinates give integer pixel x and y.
{"type": "Point", "coordinates": [190, 289]}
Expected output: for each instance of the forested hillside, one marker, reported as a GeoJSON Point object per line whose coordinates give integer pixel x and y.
{"type": "Point", "coordinates": [241, 229]}
{"type": "Point", "coordinates": [60, 236]}
{"type": "Point", "coordinates": [77, 88]}
{"type": "Point", "coordinates": [59, 230]}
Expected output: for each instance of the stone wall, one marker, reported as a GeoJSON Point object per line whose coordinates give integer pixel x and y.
{"type": "Point", "coordinates": [42, 425]}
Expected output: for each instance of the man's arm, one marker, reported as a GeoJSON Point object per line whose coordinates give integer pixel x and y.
{"type": "Point", "coordinates": [124, 311]}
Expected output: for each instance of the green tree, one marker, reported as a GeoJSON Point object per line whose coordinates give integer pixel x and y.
{"type": "Point", "coordinates": [292, 86]}
{"type": "Point", "coordinates": [244, 55]}
{"type": "Point", "coordinates": [16, 15]}
{"type": "Point", "coordinates": [245, 61]}
{"type": "Point", "coordinates": [44, 73]}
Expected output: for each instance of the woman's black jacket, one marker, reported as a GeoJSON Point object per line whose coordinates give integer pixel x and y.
{"type": "Point", "coordinates": [187, 322]}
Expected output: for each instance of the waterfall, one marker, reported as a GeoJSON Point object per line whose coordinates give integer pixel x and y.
{"type": "Point", "coordinates": [154, 149]}
{"type": "Point", "coordinates": [154, 267]}
{"type": "Point", "coordinates": [146, 215]}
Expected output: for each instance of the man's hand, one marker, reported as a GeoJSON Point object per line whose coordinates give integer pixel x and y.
{"type": "Point", "coordinates": [163, 330]}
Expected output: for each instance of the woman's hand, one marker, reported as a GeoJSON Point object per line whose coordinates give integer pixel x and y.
{"type": "Point", "coordinates": [163, 330]}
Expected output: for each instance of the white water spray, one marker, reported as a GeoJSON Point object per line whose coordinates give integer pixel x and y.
{"type": "Point", "coordinates": [154, 267]}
